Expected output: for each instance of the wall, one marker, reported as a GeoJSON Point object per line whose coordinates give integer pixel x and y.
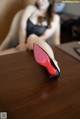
{"type": "Point", "coordinates": [8, 8]}
{"type": "Point", "coordinates": [72, 8]}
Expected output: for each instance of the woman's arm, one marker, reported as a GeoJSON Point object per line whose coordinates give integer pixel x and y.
{"type": "Point", "coordinates": [22, 29]}
{"type": "Point", "coordinates": [8, 51]}
{"type": "Point", "coordinates": [54, 30]}
{"type": "Point", "coordinates": [23, 24]}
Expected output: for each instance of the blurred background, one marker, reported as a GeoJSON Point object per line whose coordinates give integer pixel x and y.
{"type": "Point", "coordinates": [69, 18]}
{"type": "Point", "coordinates": [8, 8]}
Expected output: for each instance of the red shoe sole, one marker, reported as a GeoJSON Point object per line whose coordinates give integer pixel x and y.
{"type": "Point", "coordinates": [42, 58]}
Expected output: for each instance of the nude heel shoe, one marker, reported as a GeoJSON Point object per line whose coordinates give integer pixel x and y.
{"type": "Point", "coordinates": [43, 59]}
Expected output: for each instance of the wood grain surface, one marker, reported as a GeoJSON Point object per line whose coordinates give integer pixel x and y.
{"type": "Point", "coordinates": [27, 92]}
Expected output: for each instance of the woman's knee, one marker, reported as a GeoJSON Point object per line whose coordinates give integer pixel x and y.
{"type": "Point", "coordinates": [32, 36]}
{"type": "Point", "coordinates": [31, 40]}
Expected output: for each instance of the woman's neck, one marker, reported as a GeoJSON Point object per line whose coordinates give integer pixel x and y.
{"type": "Point", "coordinates": [42, 12]}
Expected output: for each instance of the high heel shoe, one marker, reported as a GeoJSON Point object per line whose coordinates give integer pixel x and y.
{"type": "Point", "coordinates": [43, 59]}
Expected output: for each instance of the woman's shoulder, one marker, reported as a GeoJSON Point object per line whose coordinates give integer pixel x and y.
{"type": "Point", "coordinates": [30, 7]}
{"type": "Point", "coordinates": [56, 17]}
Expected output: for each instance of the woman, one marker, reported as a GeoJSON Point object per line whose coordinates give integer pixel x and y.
{"type": "Point", "coordinates": [42, 19]}
{"type": "Point", "coordinates": [37, 25]}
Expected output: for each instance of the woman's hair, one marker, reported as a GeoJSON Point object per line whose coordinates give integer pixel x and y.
{"type": "Point", "coordinates": [49, 13]}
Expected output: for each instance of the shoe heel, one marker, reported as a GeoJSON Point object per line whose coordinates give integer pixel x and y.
{"type": "Point", "coordinates": [42, 58]}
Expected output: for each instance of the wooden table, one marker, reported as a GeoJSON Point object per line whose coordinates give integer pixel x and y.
{"type": "Point", "coordinates": [26, 92]}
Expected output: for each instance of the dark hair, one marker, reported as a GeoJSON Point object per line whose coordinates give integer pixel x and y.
{"type": "Point", "coordinates": [49, 13]}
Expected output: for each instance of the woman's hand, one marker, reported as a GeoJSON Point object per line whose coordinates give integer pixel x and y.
{"type": "Point", "coordinates": [21, 47]}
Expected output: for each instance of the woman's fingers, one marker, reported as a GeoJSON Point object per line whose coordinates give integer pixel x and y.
{"type": "Point", "coordinates": [21, 47]}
